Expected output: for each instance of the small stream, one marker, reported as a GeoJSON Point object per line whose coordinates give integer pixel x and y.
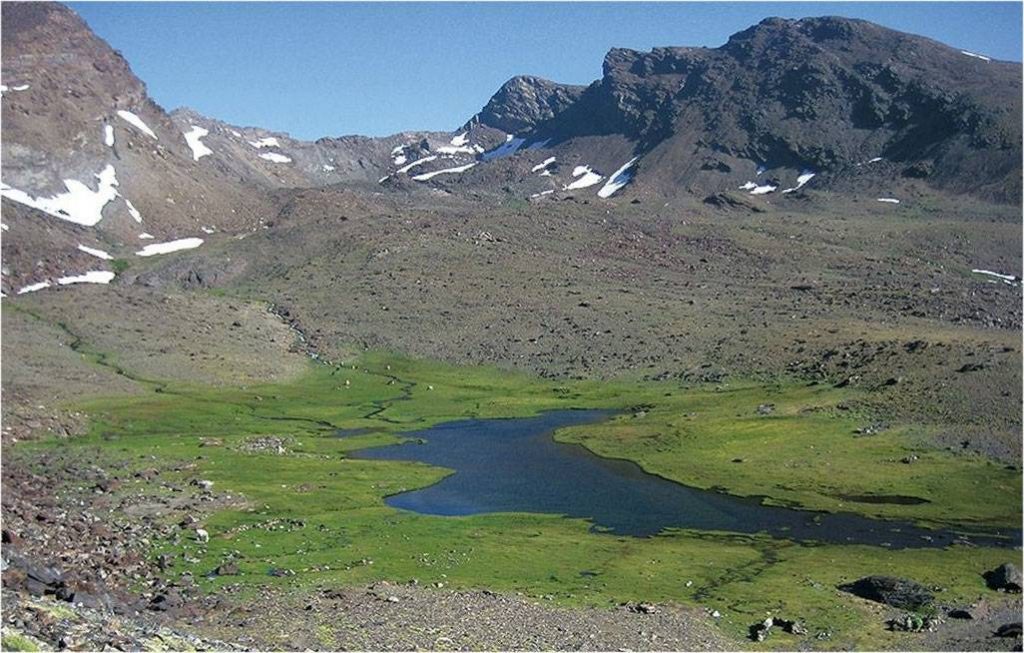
{"type": "Point", "coordinates": [515, 465]}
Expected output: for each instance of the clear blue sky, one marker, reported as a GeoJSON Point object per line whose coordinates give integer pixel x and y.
{"type": "Point", "coordinates": [326, 69]}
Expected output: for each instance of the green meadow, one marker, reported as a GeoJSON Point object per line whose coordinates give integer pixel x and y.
{"type": "Point", "coordinates": [319, 513]}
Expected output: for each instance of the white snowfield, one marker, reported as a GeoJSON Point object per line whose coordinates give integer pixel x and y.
{"type": "Point", "coordinates": [193, 138]}
{"type": "Point", "coordinates": [619, 178]}
{"type": "Point", "coordinates": [274, 157]}
{"type": "Point", "coordinates": [4, 88]}
{"type": "Point", "coordinates": [269, 141]}
{"type": "Point", "coordinates": [889, 200]}
{"type": "Point", "coordinates": [207, 230]}
{"type": "Point", "coordinates": [461, 139]}
{"type": "Point", "coordinates": [32, 287]}
{"type": "Point", "coordinates": [543, 164]}
{"type": "Point", "coordinates": [763, 190]}
{"type": "Point", "coordinates": [415, 163]}
{"type": "Point", "coordinates": [108, 135]}
{"type": "Point", "coordinates": [430, 175]}
{"type": "Point", "coordinates": [145, 236]}
{"type": "Point", "coordinates": [79, 204]}
{"type": "Point", "coordinates": [98, 253]}
{"type": "Point", "coordinates": [748, 186]}
{"type": "Point", "coordinates": [137, 123]}
{"type": "Point", "coordinates": [328, 168]}
{"type": "Point", "coordinates": [172, 246]}
{"type": "Point", "coordinates": [804, 177]}
{"type": "Point", "coordinates": [587, 177]}
{"type": "Point", "coordinates": [397, 150]}
{"type": "Point", "coordinates": [508, 148]}
{"type": "Point", "coordinates": [976, 56]}
{"type": "Point", "coordinates": [93, 276]}
{"type": "Point", "coordinates": [399, 160]}
{"type": "Point", "coordinates": [541, 194]}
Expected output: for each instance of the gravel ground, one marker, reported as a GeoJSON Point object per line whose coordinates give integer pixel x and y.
{"type": "Point", "coordinates": [388, 616]}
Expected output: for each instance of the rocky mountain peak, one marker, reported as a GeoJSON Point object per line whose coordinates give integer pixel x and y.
{"type": "Point", "coordinates": [524, 102]}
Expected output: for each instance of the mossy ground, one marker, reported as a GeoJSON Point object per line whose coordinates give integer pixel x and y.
{"type": "Point", "coordinates": [804, 453]}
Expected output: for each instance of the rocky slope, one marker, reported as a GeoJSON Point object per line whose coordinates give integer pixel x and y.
{"type": "Point", "coordinates": [785, 107]}
{"type": "Point", "coordinates": [862, 107]}
{"type": "Point", "coordinates": [94, 170]}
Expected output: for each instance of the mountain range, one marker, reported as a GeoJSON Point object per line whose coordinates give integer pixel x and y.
{"type": "Point", "coordinates": [784, 108]}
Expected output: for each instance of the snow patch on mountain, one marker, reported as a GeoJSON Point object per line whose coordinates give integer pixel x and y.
{"type": "Point", "coordinates": [32, 287]}
{"type": "Point", "coordinates": [171, 246]}
{"type": "Point", "coordinates": [430, 175]}
{"type": "Point", "coordinates": [93, 276]}
{"type": "Point", "coordinates": [461, 139]}
{"type": "Point", "coordinates": [269, 141]}
{"type": "Point", "coordinates": [98, 253]}
{"type": "Point", "coordinates": [275, 157]}
{"type": "Point", "coordinates": [543, 164]}
{"type": "Point", "coordinates": [619, 178]}
{"type": "Point", "coordinates": [587, 177]}
{"type": "Point", "coordinates": [108, 135]}
{"type": "Point", "coordinates": [415, 163]}
{"type": "Point", "coordinates": [975, 55]}
{"type": "Point", "coordinates": [193, 138]}
{"type": "Point", "coordinates": [889, 200]}
{"type": "Point", "coordinates": [137, 123]}
{"type": "Point", "coordinates": [756, 189]}
{"type": "Point", "coordinates": [134, 212]}
{"type": "Point", "coordinates": [453, 149]}
{"type": "Point", "coordinates": [508, 148]}
{"type": "Point", "coordinates": [1008, 278]}
{"type": "Point", "coordinates": [79, 204]}
{"type": "Point", "coordinates": [804, 177]}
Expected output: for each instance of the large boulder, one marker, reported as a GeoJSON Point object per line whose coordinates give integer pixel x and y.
{"type": "Point", "coordinates": [1005, 577]}
{"type": "Point", "coordinates": [897, 592]}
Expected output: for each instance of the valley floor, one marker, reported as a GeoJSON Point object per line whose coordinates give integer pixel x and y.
{"type": "Point", "coordinates": [172, 450]}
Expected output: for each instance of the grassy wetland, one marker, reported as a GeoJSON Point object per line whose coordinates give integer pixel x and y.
{"type": "Point", "coordinates": [298, 512]}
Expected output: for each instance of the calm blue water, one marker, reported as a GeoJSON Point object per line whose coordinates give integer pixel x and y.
{"type": "Point", "coordinates": [514, 465]}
